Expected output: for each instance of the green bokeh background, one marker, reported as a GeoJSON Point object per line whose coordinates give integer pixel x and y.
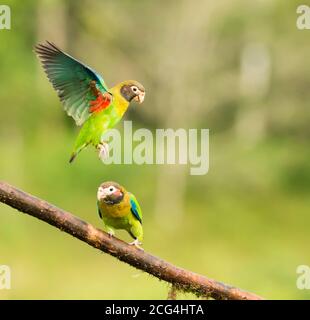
{"type": "Point", "coordinates": [239, 68]}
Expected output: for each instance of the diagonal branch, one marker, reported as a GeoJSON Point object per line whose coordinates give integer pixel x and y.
{"type": "Point", "coordinates": [65, 221]}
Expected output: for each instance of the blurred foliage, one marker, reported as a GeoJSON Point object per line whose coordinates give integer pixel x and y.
{"type": "Point", "coordinates": [239, 68]}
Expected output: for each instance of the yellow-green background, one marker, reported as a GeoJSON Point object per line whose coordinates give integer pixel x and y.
{"type": "Point", "coordinates": [239, 68]}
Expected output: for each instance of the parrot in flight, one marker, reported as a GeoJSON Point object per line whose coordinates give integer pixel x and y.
{"type": "Point", "coordinates": [86, 97]}
{"type": "Point", "coordinates": [120, 209]}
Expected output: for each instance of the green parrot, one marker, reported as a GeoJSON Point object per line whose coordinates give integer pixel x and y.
{"type": "Point", "coordinates": [86, 97]}
{"type": "Point", "coordinates": [120, 209]}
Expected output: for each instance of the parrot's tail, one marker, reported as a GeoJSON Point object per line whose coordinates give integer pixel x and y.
{"type": "Point", "coordinates": [76, 152]}
{"type": "Point", "coordinates": [73, 156]}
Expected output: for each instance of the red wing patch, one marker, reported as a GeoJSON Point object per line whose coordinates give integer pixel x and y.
{"type": "Point", "coordinates": [101, 102]}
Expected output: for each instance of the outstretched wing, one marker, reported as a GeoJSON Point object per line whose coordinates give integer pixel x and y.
{"type": "Point", "coordinates": [80, 89]}
{"type": "Point", "coordinates": [135, 207]}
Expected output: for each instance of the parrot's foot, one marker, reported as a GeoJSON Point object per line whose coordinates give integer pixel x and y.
{"type": "Point", "coordinates": [137, 244]}
{"type": "Point", "coordinates": [111, 233]}
{"type": "Point", "coordinates": [103, 148]}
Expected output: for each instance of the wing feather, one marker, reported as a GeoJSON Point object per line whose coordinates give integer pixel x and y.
{"type": "Point", "coordinates": [73, 81]}
{"type": "Point", "coordinates": [135, 208]}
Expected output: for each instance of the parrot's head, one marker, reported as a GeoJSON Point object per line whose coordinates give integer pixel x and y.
{"type": "Point", "coordinates": [132, 90]}
{"type": "Point", "coordinates": [110, 192]}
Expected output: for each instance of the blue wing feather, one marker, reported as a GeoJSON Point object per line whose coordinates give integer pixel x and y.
{"type": "Point", "coordinates": [135, 208]}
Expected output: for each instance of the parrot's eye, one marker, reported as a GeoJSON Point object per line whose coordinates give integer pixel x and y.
{"type": "Point", "coordinates": [111, 190]}
{"type": "Point", "coordinates": [134, 89]}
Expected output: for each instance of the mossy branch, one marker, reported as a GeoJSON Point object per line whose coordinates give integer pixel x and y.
{"type": "Point", "coordinates": [180, 279]}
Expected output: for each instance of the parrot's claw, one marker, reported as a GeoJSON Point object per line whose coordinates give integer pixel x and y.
{"type": "Point", "coordinates": [110, 233]}
{"type": "Point", "coordinates": [103, 148]}
{"type": "Point", "coordinates": [137, 244]}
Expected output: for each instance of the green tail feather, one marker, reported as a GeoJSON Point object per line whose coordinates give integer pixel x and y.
{"type": "Point", "coordinates": [73, 156]}
{"type": "Point", "coordinates": [76, 152]}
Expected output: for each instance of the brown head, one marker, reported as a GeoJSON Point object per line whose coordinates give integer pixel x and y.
{"type": "Point", "coordinates": [132, 90]}
{"type": "Point", "coordinates": [111, 193]}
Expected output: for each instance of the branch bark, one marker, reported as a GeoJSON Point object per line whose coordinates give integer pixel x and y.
{"type": "Point", "coordinates": [163, 270]}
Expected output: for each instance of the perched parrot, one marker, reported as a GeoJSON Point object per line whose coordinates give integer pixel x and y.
{"type": "Point", "coordinates": [86, 97]}
{"type": "Point", "coordinates": [120, 209]}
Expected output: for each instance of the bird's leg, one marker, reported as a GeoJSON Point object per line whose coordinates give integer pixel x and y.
{"type": "Point", "coordinates": [136, 243]}
{"type": "Point", "coordinates": [103, 148]}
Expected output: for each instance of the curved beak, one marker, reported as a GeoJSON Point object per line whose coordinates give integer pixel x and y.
{"type": "Point", "coordinates": [140, 97]}
{"type": "Point", "coordinates": [118, 193]}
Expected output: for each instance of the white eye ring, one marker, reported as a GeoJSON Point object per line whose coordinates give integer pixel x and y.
{"type": "Point", "coordinates": [110, 190]}
{"type": "Point", "coordinates": [134, 89]}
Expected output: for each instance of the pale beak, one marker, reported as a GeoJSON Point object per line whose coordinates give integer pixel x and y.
{"type": "Point", "coordinates": [140, 97]}
{"type": "Point", "coordinates": [118, 193]}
